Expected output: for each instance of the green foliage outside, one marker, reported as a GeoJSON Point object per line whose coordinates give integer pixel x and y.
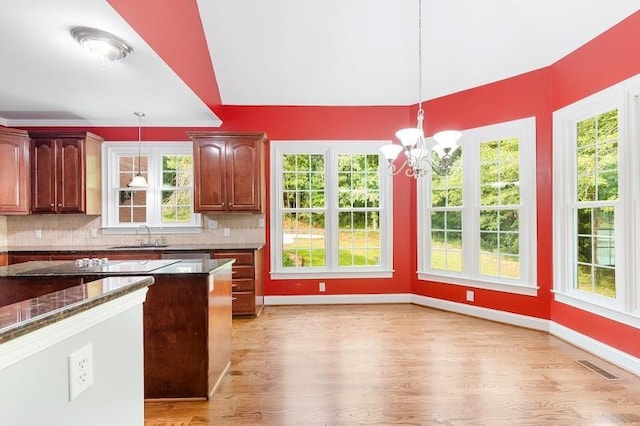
{"type": "Point", "coordinates": [177, 173]}
{"type": "Point", "coordinates": [303, 199]}
{"type": "Point", "coordinates": [499, 227]}
{"type": "Point", "coordinates": [596, 181]}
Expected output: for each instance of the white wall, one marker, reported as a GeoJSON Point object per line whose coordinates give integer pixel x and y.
{"type": "Point", "coordinates": [35, 390]}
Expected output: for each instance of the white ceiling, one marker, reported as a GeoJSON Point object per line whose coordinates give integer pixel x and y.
{"type": "Point", "coordinates": [283, 52]}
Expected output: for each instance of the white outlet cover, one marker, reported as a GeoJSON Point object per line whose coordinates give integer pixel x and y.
{"type": "Point", "coordinates": [213, 224]}
{"type": "Point", "coordinates": [227, 232]}
{"type": "Point", "coordinates": [80, 371]}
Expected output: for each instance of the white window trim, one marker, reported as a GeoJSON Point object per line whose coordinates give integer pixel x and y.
{"type": "Point", "coordinates": [625, 307]}
{"type": "Point", "coordinates": [110, 185]}
{"type": "Point", "coordinates": [330, 149]}
{"type": "Point", "coordinates": [525, 129]}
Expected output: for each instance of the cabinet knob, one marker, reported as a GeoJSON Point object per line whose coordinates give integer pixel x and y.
{"type": "Point", "coordinates": [233, 299]}
{"type": "Point", "coordinates": [52, 205]}
{"type": "Point", "coordinates": [60, 205]}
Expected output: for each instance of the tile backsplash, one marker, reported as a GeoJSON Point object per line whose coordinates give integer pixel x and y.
{"type": "Point", "coordinates": [82, 230]}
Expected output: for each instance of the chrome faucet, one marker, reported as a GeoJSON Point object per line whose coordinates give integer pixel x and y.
{"type": "Point", "coordinates": [143, 226]}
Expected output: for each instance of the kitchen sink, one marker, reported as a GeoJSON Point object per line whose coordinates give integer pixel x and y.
{"type": "Point", "coordinates": [140, 246]}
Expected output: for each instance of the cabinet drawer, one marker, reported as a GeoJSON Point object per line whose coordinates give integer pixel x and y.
{"type": "Point", "coordinates": [242, 285]}
{"type": "Point", "coordinates": [244, 303]}
{"type": "Point", "coordinates": [242, 272]}
{"type": "Point", "coordinates": [242, 258]}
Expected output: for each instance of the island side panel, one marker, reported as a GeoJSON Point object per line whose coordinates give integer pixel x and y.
{"type": "Point", "coordinates": [175, 343]}
{"type": "Point", "coordinates": [17, 289]}
{"type": "Point", "coordinates": [220, 325]}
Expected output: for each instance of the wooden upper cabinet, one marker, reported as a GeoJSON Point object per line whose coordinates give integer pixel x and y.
{"type": "Point", "coordinates": [229, 171]}
{"type": "Point", "coordinates": [14, 171]}
{"type": "Point", "coordinates": [65, 172]}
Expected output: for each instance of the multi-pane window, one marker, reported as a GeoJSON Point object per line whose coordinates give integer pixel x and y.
{"type": "Point", "coordinates": [446, 218]}
{"type": "Point", "coordinates": [358, 210]}
{"type": "Point", "coordinates": [303, 211]}
{"type": "Point", "coordinates": [597, 202]}
{"type": "Point", "coordinates": [500, 208]}
{"type": "Point", "coordinates": [596, 196]}
{"type": "Point", "coordinates": [328, 202]}
{"type": "Point", "coordinates": [166, 203]}
{"type": "Point", "coordinates": [478, 221]}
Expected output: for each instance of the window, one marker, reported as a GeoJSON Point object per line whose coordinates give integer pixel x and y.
{"type": "Point", "coordinates": [477, 223]}
{"type": "Point", "coordinates": [330, 215]}
{"type": "Point", "coordinates": [595, 203]}
{"type": "Point", "coordinates": [168, 201]}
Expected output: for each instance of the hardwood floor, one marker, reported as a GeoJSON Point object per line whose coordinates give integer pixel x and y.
{"type": "Point", "coordinates": [403, 365]}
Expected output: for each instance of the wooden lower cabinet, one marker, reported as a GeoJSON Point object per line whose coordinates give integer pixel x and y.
{"type": "Point", "coordinates": [247, 282]}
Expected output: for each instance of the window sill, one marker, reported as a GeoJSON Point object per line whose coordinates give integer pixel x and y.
{"type": "Point", "coordinates": [121, 230]}
{"type": "Point", "coordinates": [330, 274]}
{"type": "Point", "coordinates": [595, 308]}
{"type": "Point", "coordinates": [488, 285]}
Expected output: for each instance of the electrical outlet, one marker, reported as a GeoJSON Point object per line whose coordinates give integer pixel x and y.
{"type": "Point", "coordinates": [38, 233]}
{"type": "Point", "coordinates": [470, 296]}
{"type": "Point", "coordinates": [213, 224]}
{"type": "Point", "coordinates": [321, 287]}
{"type": "Point", "coordinates": [261, 223]}
{"type": "Point", "coordinates": [227, 232]}
{"type": "Point", "coordinates": [94, 233]}
{"type": "Point", "coordinates": [80, 371]}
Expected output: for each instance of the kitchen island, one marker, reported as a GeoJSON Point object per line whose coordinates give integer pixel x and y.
{"type": "Point", "coordinates": [187, 315]}
{"type": "Point", "coordinates": [39, 337]}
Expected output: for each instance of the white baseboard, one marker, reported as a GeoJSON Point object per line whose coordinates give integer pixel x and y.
{"type": "Point", "coordinates": [480, 312]}
{"type": "Point", "coordinates": [599, 349]}
{"type": "Point", "coordinates": [338, 299]}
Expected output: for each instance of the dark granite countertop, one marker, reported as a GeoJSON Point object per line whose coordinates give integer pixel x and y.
{"type": "Point", "coordinates": [52, 268]}
{"type": "Point", "coordinates": [24, 317]}
{"type": "Point", "coordinates": [119, 248]}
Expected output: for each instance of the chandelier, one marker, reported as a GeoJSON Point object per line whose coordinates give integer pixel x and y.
{"type": "Point", "coordinates": [420, 154]}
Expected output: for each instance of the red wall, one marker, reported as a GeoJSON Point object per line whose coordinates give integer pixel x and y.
{"type": "Point", "coordinates": [602, 62]}
{"type": "Point", "coordinates": [606, 60]}
{"type": "Point", "coordinates": [523, 96]}
{"type": "Point", "coordinates": [338, 123]}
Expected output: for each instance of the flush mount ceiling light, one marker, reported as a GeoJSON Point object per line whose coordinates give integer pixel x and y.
{"type": "Point", "coordinates": [102, 44]}
{"type": "Point", "coordinates": [420, 155]}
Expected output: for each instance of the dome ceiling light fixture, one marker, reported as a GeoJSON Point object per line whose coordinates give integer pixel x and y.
{"type": "Point", "coordinates": [102, 44]}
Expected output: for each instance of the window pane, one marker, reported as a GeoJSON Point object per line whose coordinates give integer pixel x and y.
{"type": "Point", "coordinates": [303, 240]}
{"type": "Point", "coordinates": [446, 240]}
{"type": "Point", "coordinates": [597, 158]}
{"type": "Point", "coordinates": [595, 244]}
{"type": "Point", "coordinates": [499, 243]}
{"type": "Point", "coordinates": [176, 206]}
{"type": "Point", "coordinates": [447, 189]}
{"type": "Point", "coordinates": [132, 206]}
{"type": "Point", "coordinates": [302, 181]}
{"type": "Point", "coordinates": [500, 172]}
{"type": "Point", "coordinates": [359, 239]}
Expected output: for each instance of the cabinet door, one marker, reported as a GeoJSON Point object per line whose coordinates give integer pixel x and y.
{"type": "Point", "coordinates": [243, 185]}
{"type": "Point", "coordinates": [70, 176]}
{"type": "Point", "coordinates": [14, 172]}
{"type": "Point", "coordinates": [43, 176]}
{"type": "Point", "coordinates": [210, 171]}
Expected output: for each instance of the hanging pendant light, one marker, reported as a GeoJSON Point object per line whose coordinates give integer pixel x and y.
{"type": "Point", "coordinates": [418, 151]}
{"type": "Point", "coordinates": [138, 180]}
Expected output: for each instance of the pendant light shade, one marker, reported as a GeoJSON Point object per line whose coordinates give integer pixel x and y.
{"type": "Point", "coordinates": [138, 180]}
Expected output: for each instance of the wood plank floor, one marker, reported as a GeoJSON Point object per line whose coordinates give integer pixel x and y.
{"type": "Point", "coordinates": [403, 365]}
